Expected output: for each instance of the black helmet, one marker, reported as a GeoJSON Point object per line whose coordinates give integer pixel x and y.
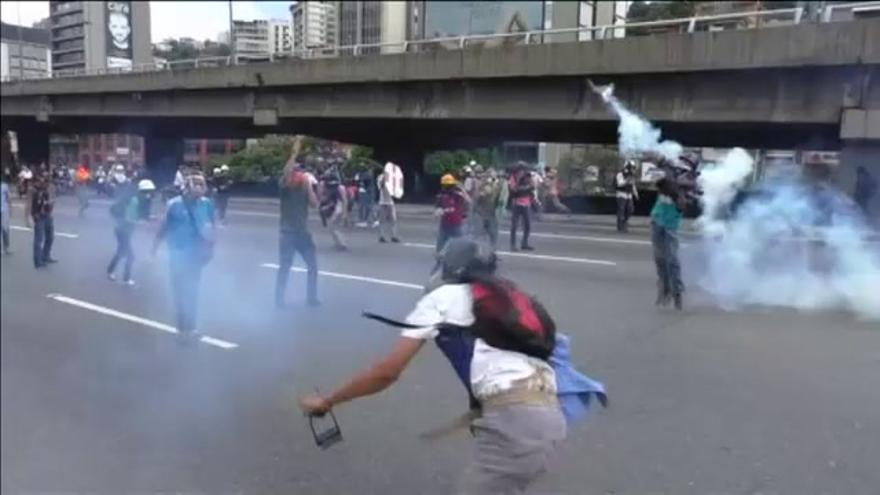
{"type": "Point", "coordinates": [464, 259]}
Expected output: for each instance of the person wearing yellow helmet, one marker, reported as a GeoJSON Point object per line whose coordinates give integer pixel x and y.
{"type": "Point", "coordinates": [452, 203]}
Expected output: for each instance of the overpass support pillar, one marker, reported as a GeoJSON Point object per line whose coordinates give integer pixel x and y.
{"type": "Point", "coordinates": [411, 160]}
{"type": "Point", "coordinates": [33, 145]}
{"type": "Point", "coordinates": [860, 134]}
{"type": "Point", "coordinates": [162, 156]}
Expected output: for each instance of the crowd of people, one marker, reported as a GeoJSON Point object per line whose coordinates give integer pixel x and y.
{"type": "Point", "coordinates": [500, 341]}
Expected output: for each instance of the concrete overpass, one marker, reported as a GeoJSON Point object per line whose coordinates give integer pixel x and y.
{"type": "Point", "coordinates": [808, 85]}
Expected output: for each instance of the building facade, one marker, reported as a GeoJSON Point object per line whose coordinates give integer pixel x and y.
{"type": "Point", "coordinates": [99, 35]}
{"type": "Point", "coordinates": [97, 150]}
{"type": "Point", "coordinates": [24, 53]}
{"type": "Point", "coordinates": [373, 22]}
{"type": "Point", "coordinates": [251, 39]}
{"type": "Point", "coordinates": [280, 36]}
{"type": "Point", "coordinates": [314, 25]}
{"type": "Point", "coordinates": [200, 152]}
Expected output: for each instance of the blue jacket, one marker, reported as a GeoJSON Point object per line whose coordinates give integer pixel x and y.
{"type": "Point", "coordinates": [575, 390]}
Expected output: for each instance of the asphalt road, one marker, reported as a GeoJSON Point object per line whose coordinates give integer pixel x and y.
{"type": "Point", "coordinates": [98, 398]}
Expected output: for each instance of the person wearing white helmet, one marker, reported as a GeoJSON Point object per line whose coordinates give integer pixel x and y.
{"type": "Point", "coordinates": [222, 184]}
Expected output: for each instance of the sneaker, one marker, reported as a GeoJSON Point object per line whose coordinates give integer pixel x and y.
{"type": "Point", "coordinates": [514, 249]}
{"type": "Point", "coordinates": [395, 240]}
{"type": "Point", "coordinates": [662, 299]}
{"type": "Point", "coordinates": [314, 303]}
{"type": "Point", "coordinates": [676, 301]}
{"type": "Point", "coordinates": [129, 283]}
{"type": "Point", "coordinates": [382, 240]}
{"type": "Point", "coordinates": [361, 225]}
{"type": "Point", "coordinates": [376, 224]}
{"type": "Point", "coordinates": [50, 261]}
{"type": "Point", "coordinates": [111, 277]}
{"type": "Point", "coordinates": [526, 247]}
{"type": "Point", "coordinates": [341, 248]}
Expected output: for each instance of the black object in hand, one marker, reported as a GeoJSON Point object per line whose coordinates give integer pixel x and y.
{"type": "Point", "coordinates": [328, 436]}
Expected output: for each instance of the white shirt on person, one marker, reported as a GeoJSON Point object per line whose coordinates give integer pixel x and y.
{"type": "Point", "coordinates": [622, 181]}
{"type": "Point", "coordinates": [385, 197]}
{"type": "Point", "coordinates": [492, 370]}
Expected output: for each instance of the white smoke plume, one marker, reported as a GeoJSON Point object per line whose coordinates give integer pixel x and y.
{"type": "Point", "coordinates": [789, 243]}
{"type": "Point", "coordinates": [783, 242]}
{"type": "Point", "coordinates": [636, 135]}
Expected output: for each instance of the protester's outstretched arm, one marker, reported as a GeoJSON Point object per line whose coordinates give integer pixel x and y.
{"type": "Point", "coordinates": [373, 380]}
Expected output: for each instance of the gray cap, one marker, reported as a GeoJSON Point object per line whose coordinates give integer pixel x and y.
{"type": "Point", "coordinates": [461, 255]}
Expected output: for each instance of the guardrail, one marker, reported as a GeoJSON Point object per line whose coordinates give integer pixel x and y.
{"type": "Point", "coordinates": [747, 20]}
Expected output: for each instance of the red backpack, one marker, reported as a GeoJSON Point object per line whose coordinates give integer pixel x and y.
{"type": "Point", "coordinates": [508, 318]}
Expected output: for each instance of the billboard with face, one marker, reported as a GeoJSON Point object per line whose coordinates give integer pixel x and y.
{"type": "Point", "coordinates": [119, 50]}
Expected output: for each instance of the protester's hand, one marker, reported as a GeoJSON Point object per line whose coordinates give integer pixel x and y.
{"type": "Point", "coordinates": [314, 405]}
{"type": "Point", "coordinates": [438, 212]}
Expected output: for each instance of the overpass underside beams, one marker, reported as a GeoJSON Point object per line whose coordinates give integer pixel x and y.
{"type": "Point", "coordinates": [724, 108]}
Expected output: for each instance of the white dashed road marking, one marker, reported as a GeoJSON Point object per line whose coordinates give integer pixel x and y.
{"type": "Point", "coordinates": [136, 319]}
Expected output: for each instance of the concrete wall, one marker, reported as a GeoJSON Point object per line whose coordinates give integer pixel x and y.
{"type": "Point", "coordinates": [95, 50]}
{"type": "Point", "coordinates": [142, 49]}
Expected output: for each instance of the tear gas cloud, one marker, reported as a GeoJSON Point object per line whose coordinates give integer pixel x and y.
{"type": "Point", "coordinates": [782, 242]}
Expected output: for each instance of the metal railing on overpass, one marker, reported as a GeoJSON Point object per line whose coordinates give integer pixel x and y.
{"type": "Point", "coordinates": [737, 20]}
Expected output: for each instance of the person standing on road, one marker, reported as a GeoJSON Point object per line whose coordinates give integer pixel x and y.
{"type": "Point", "coordinates": [222, 186]}
{"type": "Point", "coordinates": [83, 177]}
{"type": "Point", "coordinates": [5, 211]}
{"type": "Point", "coordinates": [486, 207]}
{"type": "Point", "coordinates": [665, 221]}
{"type": "Point", "coordinates": [297, 195]}
{"type": "Point", "coordinates": [387, 210]}
{"type": "Point", "coordinates": [125, 215]}
{"type": "Point", "coordinates": [191, 233]}
{"type": "Point", "coordinates": [334, 206]}
{"type": "Point", "coordinates": [522, 191]}
{"type": "Point", "coordinates": [25, 177]}
{"type": "Point", "coordinates": [39, 207]}
{"type": "Point", "coordinates": [515, 416]}
{"type": "Point", "coordinates": [626, 192]}
{"type": "Point", "coordinates": [551, 194]}
{"type": "Point", "coordinates": [451, 207]}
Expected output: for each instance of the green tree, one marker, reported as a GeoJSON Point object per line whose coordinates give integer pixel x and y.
{"type": "Point", "coordinates": [656, 11]}
{"type": "Point", "coordinates": [441, 162]}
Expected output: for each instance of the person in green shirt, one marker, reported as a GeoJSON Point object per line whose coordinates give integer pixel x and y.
{"type": "Point", "coordinates": [665, 221]}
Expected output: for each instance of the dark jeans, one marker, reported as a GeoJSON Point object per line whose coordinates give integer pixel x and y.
{"type": "Point", "coordinates": [4, 232]}
{"type": "Point", "coordinates": [624, 212]}
{"type": "Point", "coordinates": [123, 250]}
{"type": "Point", "coordinates": [665, 244]}
{"type": "Point", "coordinates": [222, 203]}
{"type": "Point", "coordinates": [186, 274]}
{"type": "Point", "coordinates": [520, 213]}
{"type": "Point", "coordinates": [365, 208]}
{"type": "Point", "coordinates": [44, 235]}
{"type": "Point", "coordinates": [446, 232]}
{"type": "Point", "coordinates": [290, 244]}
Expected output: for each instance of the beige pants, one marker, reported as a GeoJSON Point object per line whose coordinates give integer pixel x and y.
{"type": "Point", "coordinates": [514, 446]}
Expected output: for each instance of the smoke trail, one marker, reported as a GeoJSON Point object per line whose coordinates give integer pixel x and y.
{"type": "Point", "coordinates": [635, 134]}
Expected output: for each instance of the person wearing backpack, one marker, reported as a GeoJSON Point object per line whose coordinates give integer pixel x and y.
{"type": "Point", "coordinates": [125, 215]}
{"type": "Point", "coordinates": [499, 341]}
{"type": "Point", "coordinates": [451, 207]}
{"type": "Point", "coordinates": [191, 232]}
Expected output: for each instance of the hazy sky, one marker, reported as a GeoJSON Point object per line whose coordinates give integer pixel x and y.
{"type": "Point", "coordinates": [199, 20]}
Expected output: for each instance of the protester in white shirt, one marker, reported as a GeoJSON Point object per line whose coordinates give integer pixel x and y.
{"type": "Point", "coordinates": [519, 423]}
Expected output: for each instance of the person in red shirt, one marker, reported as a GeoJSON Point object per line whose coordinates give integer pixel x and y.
{"type": "Point", "coordinates": [522, 189]}
{"type": "Point", "coordinates": [452, 203]}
